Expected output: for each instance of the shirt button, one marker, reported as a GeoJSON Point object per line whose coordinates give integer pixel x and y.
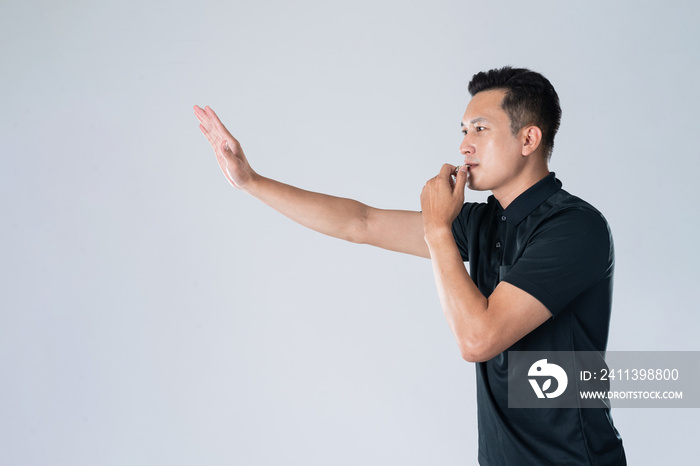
{"type": "Point", "coordinates": [498, 245]}
{"type": "Point", "coordinates": [503, 218]}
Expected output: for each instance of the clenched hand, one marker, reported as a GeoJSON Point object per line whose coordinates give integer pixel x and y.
{"type": "Point", "coordinates": [442, 199]}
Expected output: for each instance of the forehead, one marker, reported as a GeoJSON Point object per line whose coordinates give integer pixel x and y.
{"type": "Point", "coordinates": [486, 104]}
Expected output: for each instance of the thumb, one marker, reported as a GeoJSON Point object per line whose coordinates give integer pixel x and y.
{"type": "Point", "coordinates": [461, 180]}
{"type": "Point", "coordinates": [224, 146]}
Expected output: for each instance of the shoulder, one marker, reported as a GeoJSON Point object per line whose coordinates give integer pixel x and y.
{"type": "Point", "coordinates": [575, 227]}
{"type": "Point", "coordinates": [562, 199]}
{"type": "Point", "coordinates": [573, 212]}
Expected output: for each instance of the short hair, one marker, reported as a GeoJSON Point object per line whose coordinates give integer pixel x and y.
{"type": "Point", "coordinates": [530, 100]}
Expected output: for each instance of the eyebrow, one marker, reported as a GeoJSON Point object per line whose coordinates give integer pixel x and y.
{"type": "Point", "coordinates": [474, 121]}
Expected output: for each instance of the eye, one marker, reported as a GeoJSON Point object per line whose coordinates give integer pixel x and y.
{"type": "Point", "coordinates": [480, 128]}
{"type": "Point", "coordinates": [464, 131]}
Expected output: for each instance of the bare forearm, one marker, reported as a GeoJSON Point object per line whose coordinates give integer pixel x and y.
{"type": "Point", "coordinates": [395, 230]}
{"type": "Point", "coordinates": [462, 302]}
{"type": "Point", "coordinates": [333, 216]}
{"type": "Point", "coordinates": [484, 327]}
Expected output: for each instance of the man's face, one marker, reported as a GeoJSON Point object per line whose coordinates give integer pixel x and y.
{"type": "Point", "coordinates": [491, 152]}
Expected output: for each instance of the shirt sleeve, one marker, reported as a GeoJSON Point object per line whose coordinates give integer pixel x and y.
{"type": "Point", "coordinates": [460, 230]}
{"type": "Point", "coordinates": [570, 252]}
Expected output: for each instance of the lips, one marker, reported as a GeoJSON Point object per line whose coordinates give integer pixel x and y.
{"type": "Point", "coordinates": [470, 167]}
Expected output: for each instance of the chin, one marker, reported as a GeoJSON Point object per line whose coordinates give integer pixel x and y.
{"type": "Point", "coordinates": [475, 186]}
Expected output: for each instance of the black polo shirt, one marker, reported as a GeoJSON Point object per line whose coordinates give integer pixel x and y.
{"type": "Point", "coordinates": [559, 249]}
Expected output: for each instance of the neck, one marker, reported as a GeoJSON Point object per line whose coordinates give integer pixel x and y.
{"type": "Point", "coordinates": [519, 185]}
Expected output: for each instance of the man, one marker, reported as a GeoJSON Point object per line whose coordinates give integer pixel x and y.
{"type": "Point", "coordinates": [541, 259]}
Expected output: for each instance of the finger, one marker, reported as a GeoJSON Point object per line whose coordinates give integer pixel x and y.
{"type": "Point", "coordinates": [220, 131]}
{"type": "Point", "coordinates": [447, 170]}
{"type": "Point", "coordinates": [208, 135]}
{"type": "Point", "coordinates": [200, 114]}
{"type": "Point", "coordinates": [211, 122]}
{"type": "Point", "coordinates": [461, 180]}
{"type": "Point", "coordinates": [224, 146]}
{"type": "Point", "coordinates": [206, 121]}
{"type": "Point", "coordinates": [216, 120]}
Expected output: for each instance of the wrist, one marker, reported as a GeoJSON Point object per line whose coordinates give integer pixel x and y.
{"type": "Point", "coordinates": [438, 234]}
{"type": "Point", "coordinates": [252, 184]}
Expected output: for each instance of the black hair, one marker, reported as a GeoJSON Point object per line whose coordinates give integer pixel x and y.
{"type": "Point", "coordinates": [530, 100]}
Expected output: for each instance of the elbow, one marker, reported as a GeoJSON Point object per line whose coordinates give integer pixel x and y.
{"type": "Point", "coordinates": [358, 230]}
{"type": "Point", "coordinates": [476, 349]}
{"type": "Point", "coordinates": [473, 356]}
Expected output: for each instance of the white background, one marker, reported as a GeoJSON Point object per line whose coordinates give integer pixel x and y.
{"type": "Point", "coordinates": [152, 314]}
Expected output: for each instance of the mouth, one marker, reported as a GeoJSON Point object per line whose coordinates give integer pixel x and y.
{"type": "Point", "coordinates": [468, 165]}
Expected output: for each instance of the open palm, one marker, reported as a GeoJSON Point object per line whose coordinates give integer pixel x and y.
{"type": "Point", "coordinates": [228, 151]}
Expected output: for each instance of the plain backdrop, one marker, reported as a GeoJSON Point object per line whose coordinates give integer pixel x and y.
{"type": "Point", "coordinates": [152, 314]}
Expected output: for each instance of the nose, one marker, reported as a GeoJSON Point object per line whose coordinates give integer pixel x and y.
{"type": "Point", "coordinates": [467, 148]}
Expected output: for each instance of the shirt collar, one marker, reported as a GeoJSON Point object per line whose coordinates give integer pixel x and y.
{"type": "Point", "coordinates": [528, 201]}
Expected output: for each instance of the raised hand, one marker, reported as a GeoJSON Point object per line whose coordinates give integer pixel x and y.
{"type": "Point", "coordinates": [228, 151]}
{"type": "Point", "coordinates": [442, 198]}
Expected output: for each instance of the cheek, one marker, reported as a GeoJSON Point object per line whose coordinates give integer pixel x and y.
{"type": "Point", "coordinates": [501, 150]}
{"type": "Point", "coordinates": [490, 153]}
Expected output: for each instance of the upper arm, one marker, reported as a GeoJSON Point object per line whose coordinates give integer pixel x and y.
{"type": "Point", "coordinates": [511, 314]}
{"type": "Point", "coordinates": [396, 230]}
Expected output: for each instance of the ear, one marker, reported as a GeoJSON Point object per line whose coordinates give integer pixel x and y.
{"type": "Point", "coordinates": [531, 138]}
